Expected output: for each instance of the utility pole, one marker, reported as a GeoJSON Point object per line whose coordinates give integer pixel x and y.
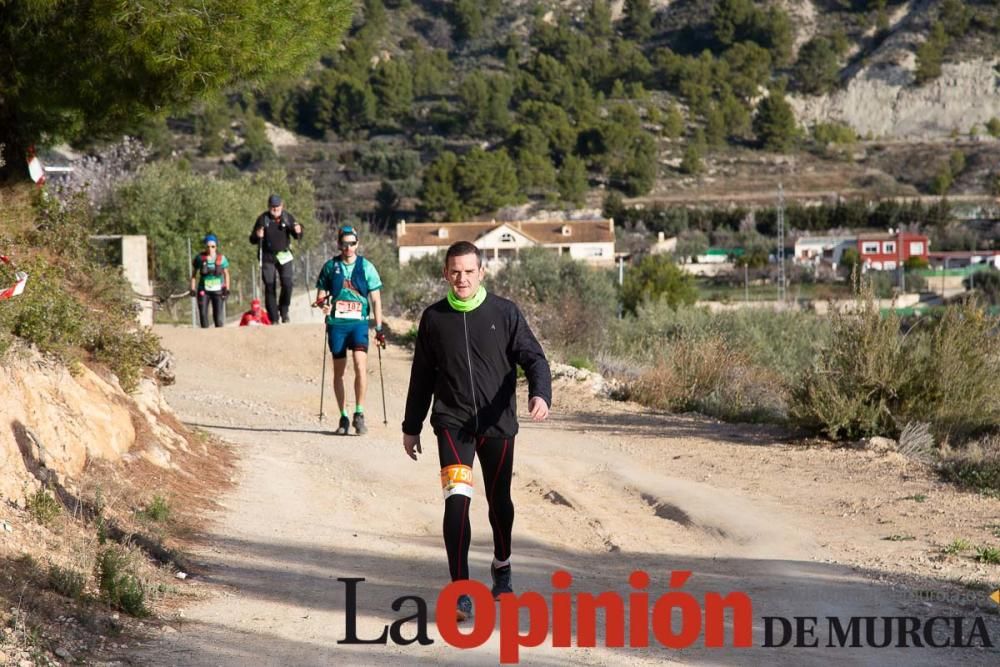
{"type": "Point", "coordinates": [781, 243]}
{"type": "Point", "coordinates": [746, 282]}
{"type": "Point", "coordinates": [899, 258]}
{"type": "Point", "coordinates": [194, 304]}
{"type": "Point", "coordinates": [621, 282]}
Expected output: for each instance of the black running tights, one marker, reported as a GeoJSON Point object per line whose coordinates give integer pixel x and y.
{"type": "Point", "coordinates": [496, 458]}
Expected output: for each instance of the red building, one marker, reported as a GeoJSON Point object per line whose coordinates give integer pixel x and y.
{"type": "Point", "coordinates": [888, 251]}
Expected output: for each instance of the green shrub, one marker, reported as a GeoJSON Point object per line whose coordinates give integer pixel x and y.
{"type": "Point", "coordinates": [47, 314]}
{"type": "Point", "coordinates": [957, 546]}
{"type": "Point", "coordinates": [119, 585]}
{"type": "Point", "coordinates": [43, 506]}
{"type": "Point", "coordinates": [871, 379]}
{"type": "Point", "coordinates": [657, 278]}
{"type": "Point", "coordinates": [784, 342]}
{"type": "Point", "coordinates": [853, 390]}
{"type": "Point", "coordinates": [975, 466]}
{"type": "Point", "coordinates": [989, 555]}
{"type": "Point", "coordinates": [582, 363]}
{"type": "Point", "coordinates": [420, 283]}
{"type": "Point", "coordinates": [73, 303]}
{"type": "Point", "coordinates": [389, 162]}
{"type": "Point", "coordinates": [834, 133]}
{"type": "Point", "coordinates": [67, 581]}
{"type": "Point", "coordinates": [157, 510]}
{"type": "Point", "coordinates": [567, 302]}
{"type": "Point", "coordinates": [993, 126]}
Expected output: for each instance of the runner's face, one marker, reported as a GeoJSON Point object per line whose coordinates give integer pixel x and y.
{"type": "Point", "coordinates": [349, 246]}
{"type": "Point", "coordinates": [276, 211]}
{"type": "Point", "coordinates": [464, 275]}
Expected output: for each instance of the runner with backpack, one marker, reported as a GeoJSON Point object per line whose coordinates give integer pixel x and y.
{"type": "Point", "coordinates": [348, 290]}
{"type": "Point", "coordinates": [210, 282]}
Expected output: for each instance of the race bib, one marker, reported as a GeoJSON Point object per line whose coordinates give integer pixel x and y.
{"type": "Point", "coordinates": [283, 257]}
{"type": "Point", "coordinates": [213, 283]}
{"type": "Point", "coordinates": [456, 480]}
{"type": "Point", "coordinates": [347, 310]}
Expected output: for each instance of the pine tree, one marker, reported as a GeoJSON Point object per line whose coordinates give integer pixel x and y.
{"type": "Point", "coordinates": [774, 124]}
{"type": "Point", "coordinates": [572, 180]}
{"type": "Point", "coordinates": [715, 127]}
{"type": "Point", "coordinates": [691, 160]}
{"type": "Point", "coordinates": [393, 86]}
{"type": "Point", "coordinates": [637, 19]}
{"type": "Point", "coordinates": [597, 23]}
{"type": "Point", "coordinates": [78, 69]}
{"type": "Point", "coordinates": [930, 55]}
{"type": "Point", "coordinates": [437, 193]}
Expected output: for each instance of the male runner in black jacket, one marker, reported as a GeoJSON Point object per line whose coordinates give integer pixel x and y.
{"type": "Point", "coordinates": [468, 346]}
{"type": "Point", "coordinates": [273, 231]}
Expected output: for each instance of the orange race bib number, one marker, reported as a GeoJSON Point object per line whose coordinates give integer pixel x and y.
{"type": "Point", "coordinates": [347, 310]}
{"type": "Point", "coordinates": [456, 480]}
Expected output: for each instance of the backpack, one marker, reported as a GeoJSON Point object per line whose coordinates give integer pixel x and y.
{"type": "Point", "coordinates": [217, 271]}
{"type": "Point", "coordinates": [358, 278]}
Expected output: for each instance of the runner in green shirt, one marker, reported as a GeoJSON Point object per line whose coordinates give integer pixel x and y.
{"type": "Point", "coordinates": [210, 282]}
{"type": "Point", "coordinates": [349, 289]}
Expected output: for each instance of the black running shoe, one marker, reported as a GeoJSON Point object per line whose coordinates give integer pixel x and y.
{"type": "Point", "coordinates": [344, 427]}
{"type": "Point", "coordinates": [463, 611]}
{"type": "Point", "coordinates": [359, 423]}
{"type": "Point", "coordinates": [501, 580]}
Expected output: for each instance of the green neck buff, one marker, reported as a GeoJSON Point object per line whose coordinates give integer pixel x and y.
{"type": "Point", "coordinates": [467, 306]}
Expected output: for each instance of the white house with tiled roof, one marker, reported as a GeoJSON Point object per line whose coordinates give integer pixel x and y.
{"type": "Point", "coordinates": [592, 241]}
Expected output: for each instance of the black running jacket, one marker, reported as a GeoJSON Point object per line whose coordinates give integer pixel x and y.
{"type": "Point", "coordinates": [467, 361]}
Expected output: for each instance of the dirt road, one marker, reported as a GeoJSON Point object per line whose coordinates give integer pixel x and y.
{"type": "Point", "coordinates": [601, 489]}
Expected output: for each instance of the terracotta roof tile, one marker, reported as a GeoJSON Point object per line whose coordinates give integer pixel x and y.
{"type": "Point", "coordinates": [544, 233]}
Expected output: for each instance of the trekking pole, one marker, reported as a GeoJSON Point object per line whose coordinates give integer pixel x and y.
{"type": "Point", "coordinates": [260, 267]}
{"type": "Point", "coordinates": [322, 380]}
{"type": "Point", "coordinates": [381, 381]}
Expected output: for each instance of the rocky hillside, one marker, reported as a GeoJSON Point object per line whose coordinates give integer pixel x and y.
{"type": "Point", "coordinates": [569, 99]}
{"type": "Point", "coordinates": [58, 421]}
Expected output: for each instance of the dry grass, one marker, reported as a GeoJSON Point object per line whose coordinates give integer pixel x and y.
{"type": "Point", "coordinates": [708, 376]}
{"type": "Point", "coordinates": [975, 466]}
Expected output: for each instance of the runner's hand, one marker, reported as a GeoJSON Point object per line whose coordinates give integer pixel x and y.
{"type": "Point", "coordinates": [411, 443]}
{"type": "Point", "coordinates": [380, 339]}
{"type": "Point", "coordinates": [538, 408]}
{"type": "Point", "coordinates": [260, 232]}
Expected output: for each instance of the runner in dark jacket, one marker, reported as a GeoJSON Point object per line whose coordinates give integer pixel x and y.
{"type": "Point", "coordinates": [273, 231]}
{"type": "Point", "coordinates": [467, 351]}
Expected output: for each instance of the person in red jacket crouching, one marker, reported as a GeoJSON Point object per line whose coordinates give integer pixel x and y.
{"type": "Point", "coordinates": [256, 316]}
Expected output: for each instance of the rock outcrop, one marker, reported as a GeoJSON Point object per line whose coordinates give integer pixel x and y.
{"type": "Point", "coordinates": [884, 102]}
{"type": "Point", "coordinates": [52, 422]}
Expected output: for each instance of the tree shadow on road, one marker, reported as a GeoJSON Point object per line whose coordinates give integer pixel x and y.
{"type": "Point", "coordinates": [665, 425]}
{"type": "Point", "coordinates": [303, 578]}
{"type": "Point", "coordinates": [252, 429]}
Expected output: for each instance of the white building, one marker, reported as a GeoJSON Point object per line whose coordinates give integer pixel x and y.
{"type": "Point", "coordinates": [815, 249]}
{"type": "Point", "coordinates": [592, 241]}
{"type": "Point", "coordinates": [664, 245]}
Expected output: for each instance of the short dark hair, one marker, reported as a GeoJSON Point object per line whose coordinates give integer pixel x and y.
{"type": "Point", "coordinates": [460, 248]}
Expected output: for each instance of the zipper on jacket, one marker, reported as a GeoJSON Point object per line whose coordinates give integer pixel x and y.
{"type": "Point", "coordinates": [472, 384]}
